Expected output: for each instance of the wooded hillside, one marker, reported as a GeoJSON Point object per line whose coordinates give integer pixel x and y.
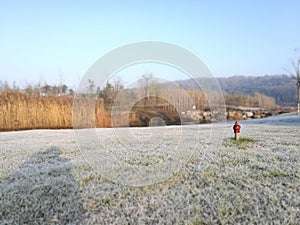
{"type": "Point", "coordinates": [280, 87]}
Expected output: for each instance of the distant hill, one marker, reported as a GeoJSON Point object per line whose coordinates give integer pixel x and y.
{"type": "Point", "coordinates": [281, 87]}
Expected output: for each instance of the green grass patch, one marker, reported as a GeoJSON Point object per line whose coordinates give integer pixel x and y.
{"type": "Point", "coordinates": [245, 140]}
{"type": "Point", "coordinates": [86, 180]}
{"type": "Point", "coordinates": [242, 143]}
{"type": "Point", "coordinates": [242, 140]}
{"type": "Point", "coordinates": [1, 175]}
{"type": "Point", "coordinates": [275, 173]}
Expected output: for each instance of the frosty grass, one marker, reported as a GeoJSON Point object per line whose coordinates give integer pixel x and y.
{"type": "Point", "coordinates": [44, 179]}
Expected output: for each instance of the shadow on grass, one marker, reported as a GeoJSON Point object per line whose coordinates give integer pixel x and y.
{"type": "Point", "coordinates": [41, 191]}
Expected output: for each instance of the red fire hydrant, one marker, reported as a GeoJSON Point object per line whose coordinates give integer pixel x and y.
{"type": "Point", "coordinates": [236, 129]}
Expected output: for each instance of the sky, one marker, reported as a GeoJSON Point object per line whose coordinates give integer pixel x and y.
{"type": "Point", "coordinates": [54, 41]}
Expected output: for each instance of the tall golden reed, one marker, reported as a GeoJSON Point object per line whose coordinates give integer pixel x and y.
{"type": "Point", "coordinates": [22, 111]}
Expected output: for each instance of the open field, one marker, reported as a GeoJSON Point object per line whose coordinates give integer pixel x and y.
{"type": "Point", "coordinates": [44, 178]}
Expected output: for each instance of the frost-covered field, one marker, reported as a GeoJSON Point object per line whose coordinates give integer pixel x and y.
{"type": "Point", "coordinates": [44, 178]}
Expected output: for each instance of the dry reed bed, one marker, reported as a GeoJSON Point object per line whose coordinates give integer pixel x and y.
{"type": "Point", "coordinates": [21, 111]}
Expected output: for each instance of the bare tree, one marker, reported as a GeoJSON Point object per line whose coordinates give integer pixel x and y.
{"type": "Point", "coordinates": [144, 85]}
{"type": "Point", "coordinates": [295, 73]}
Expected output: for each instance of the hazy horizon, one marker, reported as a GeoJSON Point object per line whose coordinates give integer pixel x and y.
{"type": "Point", "coordinates": [162, 79]}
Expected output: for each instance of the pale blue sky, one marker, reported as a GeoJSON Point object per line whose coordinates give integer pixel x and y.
{"type": "Point", "coordinates": [42, 39]}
